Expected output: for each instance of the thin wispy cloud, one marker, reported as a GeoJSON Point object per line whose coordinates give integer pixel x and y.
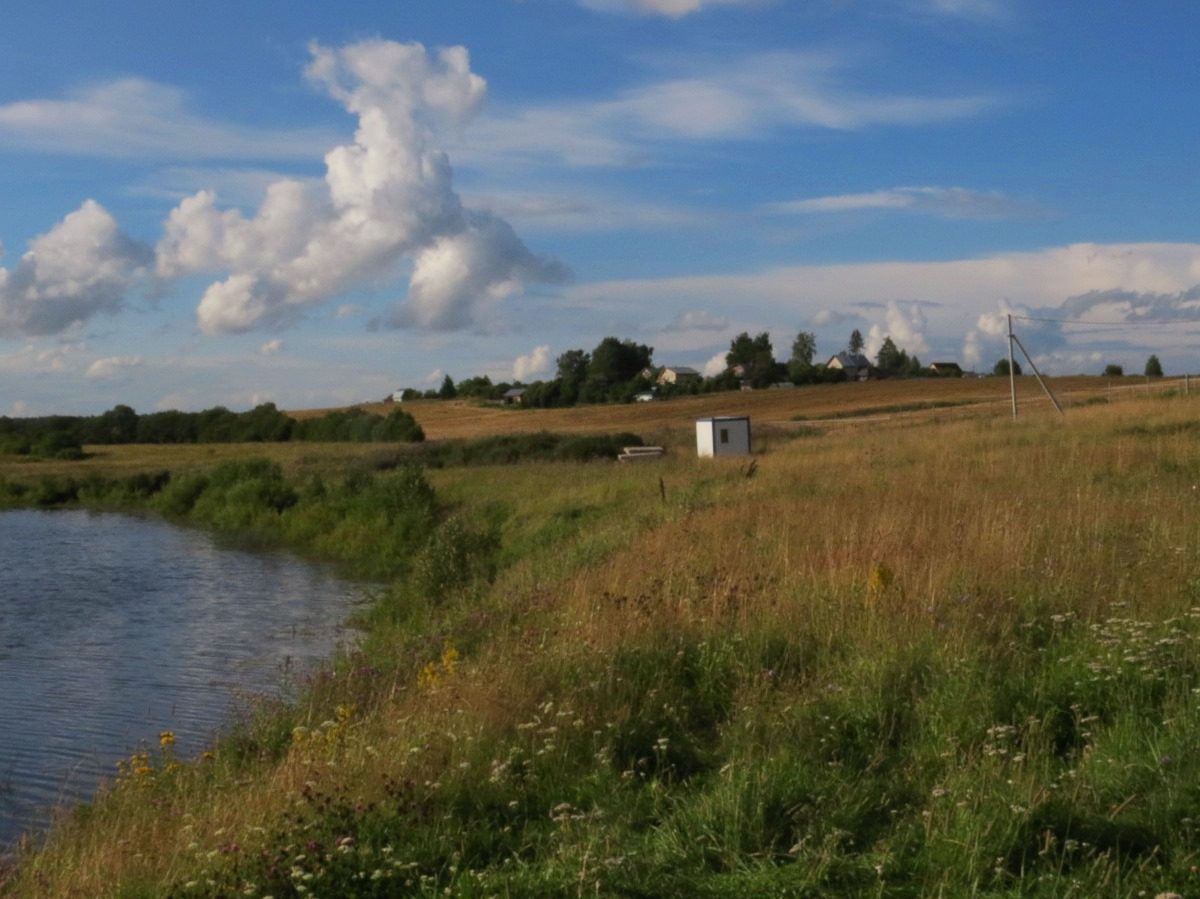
{"type": "Point", "coordinates": [945, 202]}
{"type": "Point", "coordinates": [112, 367]}
{"type": "Point", "coordinates": [982, 11]}
{"type": "Point", "coordinates": [236, 186]}
{"type": "Point", "coordinates": [931, 305]}
{"type": "Point", "coordinates": [750, 98]}
{"type": "Point", "coordinates": [138, 118]}
{"type": "Point", "coordinates": [581, 212]}
{"type": "Point", "coordinates": [672, 9]}
{"type": "Point", "coordinates": [698, 320]}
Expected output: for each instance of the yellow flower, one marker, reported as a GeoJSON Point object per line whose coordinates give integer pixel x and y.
{"type": "Point", "coordinates": [880, 581]}
{"type": "Point", "coordinates": [428, 675]}
{"type": "Point", "coordinates": [166, 739]}
{"type": "Point", "coordinates": [449, 658]}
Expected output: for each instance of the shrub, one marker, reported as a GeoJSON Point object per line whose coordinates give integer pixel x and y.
{"type": "Point", "coordinates": [455, 557]}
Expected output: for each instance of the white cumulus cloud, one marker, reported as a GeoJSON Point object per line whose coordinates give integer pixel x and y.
{"type": "Point", "coordinates": [535, 362]}
{"type": "Point", "coordinates": [385, 198]}
{"type": "Point", "coordinates": [82, 266]}
{"type": "Point", "coordinates": [905, 327]}
{"type": "Point", "coordinates": [271, 347]}
{"type": "Point", "coordinates": [715, 365]}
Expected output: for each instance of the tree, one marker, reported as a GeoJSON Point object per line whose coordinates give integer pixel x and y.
{"type": "Point", "coordinates": [856, 341]}
{"type": "Point", "coordinates": [572, 373]}
{"type": "Point", "coordinates": [895, 362]}
{"type": "Point", "coordinates": [1001, 367]}
{"type": "Point", "coordinates": [1153, 368]}
{"type": "Point", "coordinates": [1112, 370]}
{"type": "Point", "coordinates": [756, 357]}
{"type": "Point", "coordinates": [613, 364]}
{"type": "Point", "coordinates": [800, 366]}
{"type": "Point", "coordinates": [478, 386]}
{"type": "Point", "coordinates": [743, 349]}
{"type": "Point", "coordinates": [804, 347]}
{"type": "Point", "coordinates": [447, 391]}
{"type": "Point", "coordinates": [118, 425]}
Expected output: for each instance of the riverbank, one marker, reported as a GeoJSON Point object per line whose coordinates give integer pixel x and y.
{"type": "Point", "coordinates": [953, 658]}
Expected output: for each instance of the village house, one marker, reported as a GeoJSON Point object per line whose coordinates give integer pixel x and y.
{"type": "Point", "coordinates": [856, 366]}
{"type": "Point", "coordinates": [946, 369]}
{"type": "Point", "coordinates": [514, 396]}
{"type": "Point", "coordinates": [678, 374]}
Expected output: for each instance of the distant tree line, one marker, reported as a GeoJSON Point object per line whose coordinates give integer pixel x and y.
{"type": "Point", "coordinates": [62, 436]}
{"type": "Point", "coordinates": [617, 371]}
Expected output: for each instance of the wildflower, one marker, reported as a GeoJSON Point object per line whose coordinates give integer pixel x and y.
{"type": "Point", "coordinates": [878, 582]}
{"type": "Point", "coordinates": [428, 675]}
{"type": "Point", "coordinates": [166, 739]}
{"type": "Point", "coordinates": [449, 658]}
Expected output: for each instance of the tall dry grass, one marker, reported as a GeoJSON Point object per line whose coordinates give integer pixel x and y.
{"type": "Point", "coordinates": [916, 659]}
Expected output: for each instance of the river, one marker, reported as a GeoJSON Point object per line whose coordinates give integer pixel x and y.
{"type": "Point", "coordinates": [114, 628]}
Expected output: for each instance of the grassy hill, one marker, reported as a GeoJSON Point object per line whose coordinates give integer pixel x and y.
{"type": "Point", "coordinates": [936, 654]}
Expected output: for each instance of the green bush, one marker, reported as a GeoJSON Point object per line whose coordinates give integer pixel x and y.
{"type": "Point", "coordinates": [510, 449]}
{"type": "Point", "coordinates": [457, 555]}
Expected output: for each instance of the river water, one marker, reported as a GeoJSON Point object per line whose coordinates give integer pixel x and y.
{"type": "Point", "coordinates": [115, 628]}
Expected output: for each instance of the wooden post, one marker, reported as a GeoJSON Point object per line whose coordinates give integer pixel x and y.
{"type": "Point", "coordinates": [1012, 371]}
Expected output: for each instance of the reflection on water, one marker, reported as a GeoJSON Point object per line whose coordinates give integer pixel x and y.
{"type": "Point", "coordinates": [115, 628]}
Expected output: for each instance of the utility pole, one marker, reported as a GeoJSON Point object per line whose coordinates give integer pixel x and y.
{"type": "Point", "coordinates": [1012, 371]}
{"type": "Point", "coordinates": [1037, 374]}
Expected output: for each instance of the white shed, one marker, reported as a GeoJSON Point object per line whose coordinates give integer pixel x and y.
{"type": "Point", "coordinates": [726, 435]}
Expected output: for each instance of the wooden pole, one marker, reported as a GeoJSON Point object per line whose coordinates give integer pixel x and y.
{"type": "Point", "coordinates": [1012, 371]}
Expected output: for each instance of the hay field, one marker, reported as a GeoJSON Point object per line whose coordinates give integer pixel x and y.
{"type": "Point", "coordinates": [469, 418]}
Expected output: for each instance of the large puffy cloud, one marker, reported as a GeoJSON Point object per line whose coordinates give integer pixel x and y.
{"type": "Point", "coordinates": [82, 266]}
{"type": "Point", "coordinates": [385, 198]}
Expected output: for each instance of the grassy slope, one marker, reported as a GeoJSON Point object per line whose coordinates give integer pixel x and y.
{"type": "Point", "coordinates": [957, 658]}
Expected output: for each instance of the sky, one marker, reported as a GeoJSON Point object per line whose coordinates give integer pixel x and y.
{"type": "Point", "coordinates": [223, 203]}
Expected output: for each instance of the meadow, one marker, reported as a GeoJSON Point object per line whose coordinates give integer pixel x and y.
{"type": "Point", "coordinates": [919, 653]}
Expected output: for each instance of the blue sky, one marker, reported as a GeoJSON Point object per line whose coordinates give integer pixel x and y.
{"type": "Point", "coordinates": [316, 206]}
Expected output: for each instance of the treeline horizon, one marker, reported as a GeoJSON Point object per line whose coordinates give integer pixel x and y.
{"type": "Point", "coordinates": [618, 370]}
{"type": "Point", "coordinates": [63, 436]}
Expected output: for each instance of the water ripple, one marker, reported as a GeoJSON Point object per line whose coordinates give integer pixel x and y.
{"type": "Point", "coordinates": [114, 628]}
